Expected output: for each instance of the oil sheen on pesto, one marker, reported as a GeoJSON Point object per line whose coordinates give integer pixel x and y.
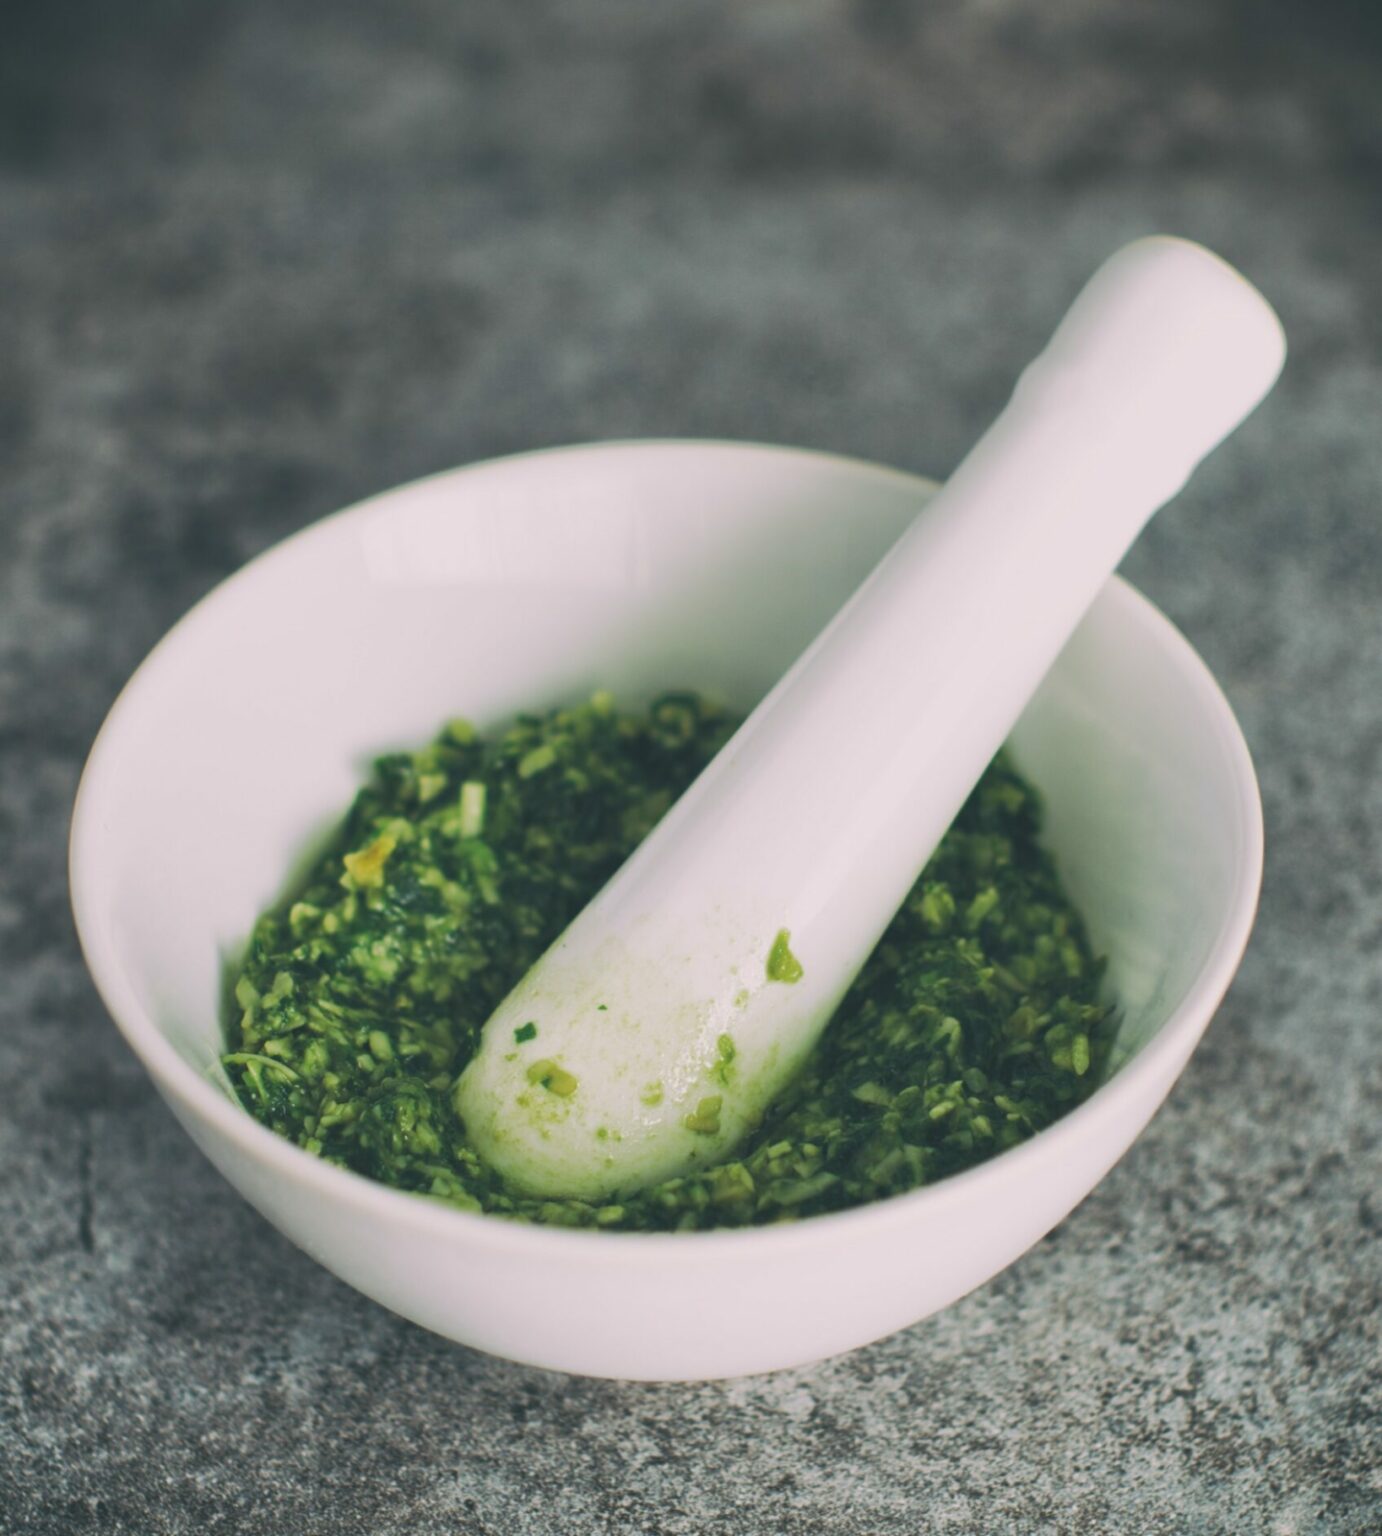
{"type": "Point", "coordinates": [976, 1022]}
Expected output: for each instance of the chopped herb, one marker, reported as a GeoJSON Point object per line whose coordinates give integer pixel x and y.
{"type": "Point", "coordinates": [366, 868]}
{"type": "Point", "coordinates": [472, 808]}
{"type": "Point", "coordinates": [706, 1120]}
{"type": "Point", "coordinates": [536, 760]}
{"type": "Point", "coordinates": [976, 1022]}
{"type": "Point", "coordinates": [552, 1077]}
{"type": "Point", "coordinates": [783, 965]}
{"type": "Point", "coordinates": [430, 785]}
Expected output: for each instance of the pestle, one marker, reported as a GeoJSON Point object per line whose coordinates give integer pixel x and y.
{"type": "Point", "coordinates": [656, 1030]}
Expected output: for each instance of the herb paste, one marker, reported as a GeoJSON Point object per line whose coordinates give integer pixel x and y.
{"type": "Point", "coordinates": [976, 1022]}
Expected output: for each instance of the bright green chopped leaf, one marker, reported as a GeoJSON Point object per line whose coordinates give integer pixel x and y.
{"type": "Point", "coordinates": [366, 867]}
{"type": "Point", "coordinates": [706, 1119]}
{"type": "Point", "coordinates": [783, 965]}
{"type": "Point", "coordinates": [535, 761]}
{"type": "Point", "coordinates": [554, 1078]}
{"type": "Point", "coordinates": [472, 808]}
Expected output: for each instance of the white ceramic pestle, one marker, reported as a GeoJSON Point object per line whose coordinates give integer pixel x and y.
{"type": "Point", "coordinates": [657, 1033]}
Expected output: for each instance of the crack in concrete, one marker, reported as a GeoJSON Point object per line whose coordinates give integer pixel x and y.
{"type": "Point", "coordinates": [85, 1202]}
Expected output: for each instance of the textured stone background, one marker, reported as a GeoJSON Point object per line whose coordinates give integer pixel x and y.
{"type": "Point", "coordinates": [258, 259]}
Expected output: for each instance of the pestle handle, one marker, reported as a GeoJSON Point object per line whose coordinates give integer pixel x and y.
{"type": "Point", "coordinates": [819, 814]}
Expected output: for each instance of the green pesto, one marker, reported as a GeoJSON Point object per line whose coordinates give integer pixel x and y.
{"type": "Point", "coordinates": [976, 1022]}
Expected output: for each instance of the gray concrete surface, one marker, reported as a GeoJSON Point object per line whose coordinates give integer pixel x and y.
{"type": "Point", "coordinates": [257, 260]}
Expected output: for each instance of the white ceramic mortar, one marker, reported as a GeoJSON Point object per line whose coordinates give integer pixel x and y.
{"type": "Point", "coordinates": [635, 567]}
